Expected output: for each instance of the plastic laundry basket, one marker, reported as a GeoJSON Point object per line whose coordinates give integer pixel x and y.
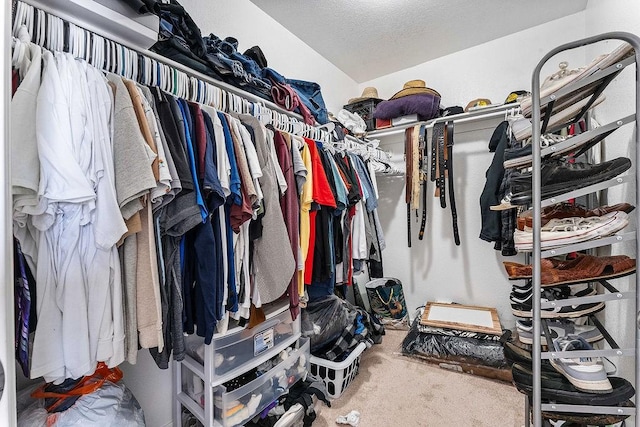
{"type": "Point", "coordinates": [337, 375]}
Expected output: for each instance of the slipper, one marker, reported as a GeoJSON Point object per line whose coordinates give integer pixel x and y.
{"type": "Point", "coordinates": [586, 268]}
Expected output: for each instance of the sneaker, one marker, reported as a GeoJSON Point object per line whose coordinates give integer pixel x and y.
{"type": "Point", "coordinates": [523, 156]}
{"type": "Point", "coordinates": [558, 177]}
{"type": "Point", "coordinates": [557, 329]}
{"type": "Point", "coordinates": [555, 387]}
{"type": "Point", "coordinates": [525, 309]}
{"type": "Point", "coordinates": [564, 231]}
{"type": "Point", "coordinates": [522, 128]}
{"type": "Point", "coordinates": [585, 373]}
{"type": "Point", "coordinates": [522, 295]}
{"type": "Point", "coordinates": [568, 210]}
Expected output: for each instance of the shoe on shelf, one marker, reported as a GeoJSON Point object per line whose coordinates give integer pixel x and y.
{"type": "Point", "coordinates": [562, 115]}
{"type": "Point", "coordinates": [558, 177]}
{"type": "Point", "coordinates": [557, 329]}
{"type": "Point", "coordinates": [584, 268]}
{"type": "Point", "coordinates": [522, 295]}
{"type": "Point", "coordinates": [514, 353]}
{"type": "Point", "coordinates": [523, 156]}
{"type": "Point", "coordinates": [523, 307]}
{"type": "Point", "coordinates": [565, 76]}
{"type": "Point", "coordinates": [555, 387]}
{"type": "Point", "coordinates": [505, 204]}
{"type": "Point", "coordinates": [565, 231]}
{"type": "Point", "coordinates": [568, 210]}
{"type": "Point", "coordinates": [585, 373]}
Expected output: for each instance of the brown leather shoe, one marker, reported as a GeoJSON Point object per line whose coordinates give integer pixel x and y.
{"type": "Point", "coordinates": [584, 268]}
{"type": "Point", "coordinates": [566, 210]}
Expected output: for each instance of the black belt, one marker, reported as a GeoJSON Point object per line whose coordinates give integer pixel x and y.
{"type": "Point", "coordinates": [442, 169]}
{"type": "Point", "coordinates": [422, 145]}
{"type": "Point", "coordinates": [449, 167]}
{"type": "Point", "coordinates": [438, 133]}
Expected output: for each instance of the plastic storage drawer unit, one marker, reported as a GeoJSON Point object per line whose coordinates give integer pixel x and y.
{"type": "Point", "coordinates": [235, 407]}
{"type": "Point", "coordinates": [234, 352]}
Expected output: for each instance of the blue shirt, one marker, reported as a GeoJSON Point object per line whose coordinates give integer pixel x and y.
{"type": "Point", "coordinates": [191, 158]}
{"type": "Point", "coordinates": [234, 179]}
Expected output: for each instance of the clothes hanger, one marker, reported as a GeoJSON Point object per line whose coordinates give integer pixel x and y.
{"type": "Point", "coordinates": [40, 28]}
{"type": "Point", "coordinates": [107, 56]}
{"type": "Point", "coordinates": [29, 19]}
{"type": "Point", "coordinates": [93, 57]}
{"type": "Point", "coordinates": [148, 70]}
{"type": "Point", "coordinates": [133, 65]}
{"type": "Point", "coordinates": [17, 19]}
{"type": "Point", "coordinates": [59, 34]}
{"type": "Point", "coordinates": [151, 74]}
{"type": "Point", "coordinates": [111, 51]}
{"type": "Point", "coordinates": [49, 37]}
{"type": "Point", "coordinates": [184, 85]}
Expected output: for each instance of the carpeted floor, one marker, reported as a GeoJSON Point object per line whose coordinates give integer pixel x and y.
{"type": "Point", "coordinates": [392, 390]}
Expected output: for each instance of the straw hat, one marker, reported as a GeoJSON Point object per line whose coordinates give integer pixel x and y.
{"type": "Point", "coordinates": [414, 87]}
{"type": "Point", "coordinates": [367, 93]}
{"type": "Point", "coordinates": [477, 103]}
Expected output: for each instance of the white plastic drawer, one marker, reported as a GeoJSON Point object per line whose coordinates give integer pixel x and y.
{"type": "Point", "coordinates": [233, 353]}
{"type": "Point", "coordinates": [234, 408]}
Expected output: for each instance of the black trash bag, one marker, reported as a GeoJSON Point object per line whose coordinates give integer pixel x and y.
{"type": "Point", "coordinates": [324, 320]}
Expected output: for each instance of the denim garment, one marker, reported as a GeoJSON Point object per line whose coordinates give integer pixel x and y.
{"type": "Point", "coordinates": [179, 39]}
{"type": "Point", "coordinates": [243, 72]}
{"type": "Point", "coordinates": [309, 92]}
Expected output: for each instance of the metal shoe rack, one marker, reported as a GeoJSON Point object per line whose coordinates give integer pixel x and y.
{"type": "Point", "coordinates": [597, 83]}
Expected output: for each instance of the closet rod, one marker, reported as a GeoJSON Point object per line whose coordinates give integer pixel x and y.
{"type": "Point", "coordinates": [471, 116]}
{"type": "Point", "coordinates": [101, 31]}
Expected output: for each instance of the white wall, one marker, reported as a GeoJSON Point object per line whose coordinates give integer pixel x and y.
{"type": "Point", "coordinates": [285, 52]}
{"type": "Point", "coordinates": [601, 17]}
{"type": "Point", "coordinates": [290, 57]}
{"type": "Point", "coordinates": [435, 269]}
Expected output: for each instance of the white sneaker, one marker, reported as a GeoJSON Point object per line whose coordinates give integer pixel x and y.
{"type": "Point", "coordinates": [585, 373]}
{"type": "Point", "coordinates": [564, 231]}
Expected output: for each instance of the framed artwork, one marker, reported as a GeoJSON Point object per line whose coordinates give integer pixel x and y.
{"type": "Point", "coordinates": [462, 317]}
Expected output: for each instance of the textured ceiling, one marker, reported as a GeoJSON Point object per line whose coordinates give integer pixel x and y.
{"type": "Point", "coordinates": [371, 38]}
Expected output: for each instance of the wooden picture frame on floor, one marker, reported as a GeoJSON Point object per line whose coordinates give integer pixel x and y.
{"type": "Point", "coordinates": [462, 317]}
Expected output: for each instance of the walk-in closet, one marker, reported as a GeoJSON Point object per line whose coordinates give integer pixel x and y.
{"type": "Point", "coordinates": [272, 213]}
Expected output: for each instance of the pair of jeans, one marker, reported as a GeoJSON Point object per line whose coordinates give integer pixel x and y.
{"type": "Point", "coordinates": [244, 71]}
{"type": "Point", "coordinates": [310, 94]}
